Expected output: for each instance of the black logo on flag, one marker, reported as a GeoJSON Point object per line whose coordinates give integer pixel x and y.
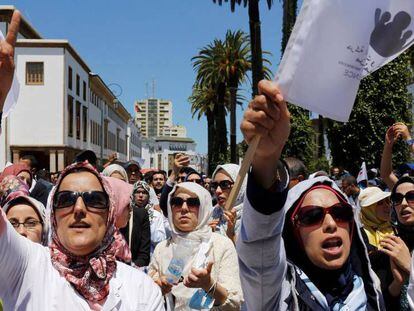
{"type": "Point", "coordinates": [390, 37]}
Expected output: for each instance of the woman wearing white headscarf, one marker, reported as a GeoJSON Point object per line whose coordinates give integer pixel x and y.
{"type": "Point", "coordinates": [211, 270]}
{"type": "Point", "coordinates": [227, 222]}
{"type": "Point", "coordinates": [115, 171]}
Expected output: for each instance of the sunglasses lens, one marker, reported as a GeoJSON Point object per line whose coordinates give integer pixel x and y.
{"type": "Point", "coordinates": [96, 199]}
{"type": "Point", "coordinates": [176, 201]}
{"type": "Point", "coordinates": [397, 198]}
{"type": "Point", "coordinates": [409, 196]}
{"type": "Point", "coordinates": [342, 212]}
{"type": "Point", "coordinates": [193, 202]}
{"type": "Point", "coordinates": [311, 216]}
{"type": "Point", "coordinates": [64, 199]}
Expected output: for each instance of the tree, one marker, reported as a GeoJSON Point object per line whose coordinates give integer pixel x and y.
{"type": "Point", "coordinates": [255, 37]}
{"type": "Point", "coordinates": [382, 99]}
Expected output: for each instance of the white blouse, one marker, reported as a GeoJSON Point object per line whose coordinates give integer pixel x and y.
{"type": "Point", "coordinates": [28, 280]}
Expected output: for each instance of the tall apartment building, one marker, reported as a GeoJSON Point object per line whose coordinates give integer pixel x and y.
{"type": "Point", "coordinates": [154, 117]}
{"type": "Point", "coordinates": [63, 107]}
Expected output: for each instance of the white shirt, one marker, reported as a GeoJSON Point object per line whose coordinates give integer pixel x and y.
{"type": "Point", "coordinates": [28, 280]}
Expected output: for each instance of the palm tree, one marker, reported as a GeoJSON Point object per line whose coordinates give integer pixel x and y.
{"type": "Point", "coordinates": [255, 37]}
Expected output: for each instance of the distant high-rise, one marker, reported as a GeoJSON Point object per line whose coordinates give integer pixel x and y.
{"type": "Point", "coordinates": [154, 117]}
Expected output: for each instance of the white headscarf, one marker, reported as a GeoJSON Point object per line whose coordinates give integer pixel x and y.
{"type": "Point", "coordinates": [203, 231]}
{"type": "Point", "coordinates": [110, 169]}
{"type": "Point", "coordinates": [233, 170]}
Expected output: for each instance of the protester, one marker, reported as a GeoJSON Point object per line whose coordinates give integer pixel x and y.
{"type": "Point", "coordinates": [207, 183]}
{"type": "Point", "coordinates": [133, 170]}
{"type": "Point", "coordinates": [116, 171]}
{"type": "Point", "coordinates": [297, 171]}
{"type": "Point", "coordinates": [158, 180]}
{"type": "Point", "coordinates": [19, 170]}
{"type": "Point", "coordinates": [195, 177]}
{"type": "Point", "coordinates": [394, 132]}
{"type": "Point", "coordinates": [81, 254]}
{"type": "Point", "coordinates": [121, 191]}
{"type": "Point", "coordinates": [140, 199]}
{"type": "Point", "coordinates": [212, 265]}
{"type": "Point", "coordinates": [321, 263]}
{"type": "Point", "coordinates": [227, 222]}
{"type": "Point", "coordinates": [351, 189]}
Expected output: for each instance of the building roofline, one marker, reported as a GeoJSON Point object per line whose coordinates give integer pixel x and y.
{"type": "Point", "coordinates": [26, 29]}
{"type": "Point", "coordinates": [174, 139]}
{"type": "Point", "coordinates": [53, 43]}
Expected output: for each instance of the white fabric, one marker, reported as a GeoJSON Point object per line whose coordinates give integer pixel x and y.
{"type": "Point", "coordinates": [157, 229]}
{"type": "Point", "coordinates": [13, 96]}
{"type": "Point", "coordinates": [28, 281]}
{"type": "Point", "coordinates": [110, 169]}
{"type": "Point", "coordinates": [335, 44]}
{"type": "Point", "coordinates": [363, 174]}
{"type": "Point", "coordinates": [153, 199]}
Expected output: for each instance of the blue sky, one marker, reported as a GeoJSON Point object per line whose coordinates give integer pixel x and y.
{"type": "Point", "coordinates": [133, 42]}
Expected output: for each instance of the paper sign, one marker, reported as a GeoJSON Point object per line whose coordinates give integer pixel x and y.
{"type": "Point", "coordinates": [13, 96]}
{"type": "Point", "coordinates": [336, 43]}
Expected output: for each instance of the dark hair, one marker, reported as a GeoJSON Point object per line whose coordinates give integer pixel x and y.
{"type": "Point", "coordinates": [158, 173]}
{"type": "Point", "coordinates": [34, 164]}
{"type": "Point", "coordinates": [187, 170]}
{"type": "Point", "coordinates": [43, 174]}
{"type": "Point", "coordinates": [296, 168]}
{"type": "Point", "coordinates": [350, 180]}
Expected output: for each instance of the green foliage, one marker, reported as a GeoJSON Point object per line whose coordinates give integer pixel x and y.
{"type": "Point", "coordinates": [320, 164]}
{"type": "Point", "coordinates": [301, 144]}
{"type": "Point", "coordinates": [382, 99]}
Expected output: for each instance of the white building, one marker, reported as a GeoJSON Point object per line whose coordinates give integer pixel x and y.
{"type": "Point", "coordinates": [159, 153]}
{"type": "Point", "coordinates": [154, 117]}
{"type": "Point", "coordinates": [62, 108]}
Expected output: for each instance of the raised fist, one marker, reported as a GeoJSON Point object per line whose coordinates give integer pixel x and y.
{"type": "Point", "coordinates": [390, 37]}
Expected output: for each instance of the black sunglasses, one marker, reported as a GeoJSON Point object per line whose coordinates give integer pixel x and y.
{"type": "Point", "coordinates": [93, 199]}
{"type": "Point", "coordinates": [397, 198]}
{"type": "Point", "coordinates": [224, 184]}
{"type": "Point", "coordinates": [314, 215]}
{"type": "Point", "coordinates": [191, 202]}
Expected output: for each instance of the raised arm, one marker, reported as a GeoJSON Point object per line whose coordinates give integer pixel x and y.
{"type": "Point", "coordinates": [7, 47]}
{"type": "Point", "coordinates": [260, 246]}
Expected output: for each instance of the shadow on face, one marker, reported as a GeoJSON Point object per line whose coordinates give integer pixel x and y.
{"type": "Point", "coordinates": [79, 229]}
{"type": "Point", "coordinates": [328, 244]}
{"type": "Point", "coordinates": [222, 192]}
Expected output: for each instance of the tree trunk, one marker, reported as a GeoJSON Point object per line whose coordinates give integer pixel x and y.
{"type": "Point", "coordinates": [233, 143]}
{"type": "Point", "coordinates": [210, 140]}
{"type": "Point", "coordinates": [255, 44]}
{"type": "Point", "coordinates": [289, 18]}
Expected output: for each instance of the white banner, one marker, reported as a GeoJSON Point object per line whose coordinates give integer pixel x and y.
{"type": "Point", "coordinates": [363, 174]}
{"type": "Point", "coordinates": [336, 43]}
{"type": "Point", "coordinates": [13, 96]}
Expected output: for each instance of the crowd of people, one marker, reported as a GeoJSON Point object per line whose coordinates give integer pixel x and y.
{"type": "Point", "coordinates": [123, 237]}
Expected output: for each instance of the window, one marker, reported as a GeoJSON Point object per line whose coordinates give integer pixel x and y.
{"type": "Point", "coordinates": [84, 90]}
{"type": "Point", "coordinates": [106, 122]}
{"type": "Point", "coordinates": [85, 123]}
{"type": "Point", "coordinates": [70, 116]}
{"type": "Point", "coordinates": [78, 120]}
{"type": "Point", "coordinates": [70, 74]}
{"type": "Point", "coordinates": [77, 85]}
{"type": "Point", "coordinates": [34, 73]}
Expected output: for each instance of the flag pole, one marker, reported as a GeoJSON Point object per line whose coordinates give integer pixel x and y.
{"type": "Point", "coordinates": [247, 161]}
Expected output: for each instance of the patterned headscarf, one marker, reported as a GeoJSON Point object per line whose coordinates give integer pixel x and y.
{"type": "Point", "coordinates": [90, 274]}
{"type": "Point", "coordinates": [142, 185]}
{"type": "Point", "coordinates": [12, 187]}
{"type": "Point", "coordinates": [14, 170]}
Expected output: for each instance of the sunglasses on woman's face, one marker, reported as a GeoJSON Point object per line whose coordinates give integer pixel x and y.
{"type": "Point", "coordinates": [224, 185]}
{"type": "Point", "coordinates": [198, 181]}
{"type": "Point", "coordinates": [314, 215]}
{"type": "Point", "coordinates": [397, 198]}
{"type": "Point", "coordinates": [95, 200]}
{"type": "Point", "coordinates": [177, 203]}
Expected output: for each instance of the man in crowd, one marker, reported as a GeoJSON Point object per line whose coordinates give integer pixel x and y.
{"type": "Point", "coordinates": [133, 170]}
{"type": "Point", "coordinates": [351, 189]}
{"type": "Point", "coordinates": [158, 181]}
{"type": "Point", "coordinates": [297, 171]}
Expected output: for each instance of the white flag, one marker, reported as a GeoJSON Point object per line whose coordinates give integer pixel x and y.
{"type": "Point", "coordinates": [362, 175]}
{"type": "Point", "coordinates": [13, 96]}
{"type": "Point", "coordinates": [336, 43]}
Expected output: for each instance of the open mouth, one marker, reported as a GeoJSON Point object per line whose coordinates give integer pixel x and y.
{"type": "Point", "coordinates": [332, 244]}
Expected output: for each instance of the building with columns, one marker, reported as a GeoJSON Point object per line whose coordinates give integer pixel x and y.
{"type": "Point", "coordinates": [63, 107]}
